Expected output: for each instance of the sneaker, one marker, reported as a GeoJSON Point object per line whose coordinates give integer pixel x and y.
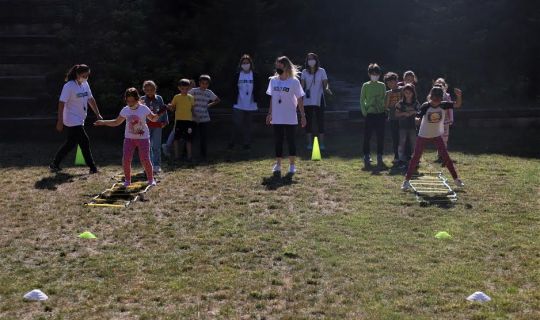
{"type": "Point", "coordinates": [93, 171]}
{"type": "Point", "coordinates": [152, 183]}
{"type": "Point", "coordinates": [157, 169]}
{"type": "Point", "coordinates": [126, 184]}
{"type": "Point", "coordinates": [54, 168]}
{"type": "Point", "coordinates": [406, 185]}
{"type": "Point", "coordinates": [380, 162]}
{"type": "Point", "coordinates": [459, 183]}
{"type": "Point", "coordinates": [292, 169]}
{"type": "Point", "coordinates": [276, 168]}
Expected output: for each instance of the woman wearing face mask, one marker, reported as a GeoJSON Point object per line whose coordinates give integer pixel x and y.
{"type": "Point", "coordinates": [245, 89]}
{"type": "Point", "coordinates": [286, 97]}
{"type": "Point", "coordinates": [314, 80]}
{"type": "Point", "coordinates": [74, 100]}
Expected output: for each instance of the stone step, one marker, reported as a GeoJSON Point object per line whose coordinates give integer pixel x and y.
{"type": "Point", "coordinates": [13, 107]}
{"type": "Point", "coordinates": [24, 28]}
{"type": "Point", "coordinates": [31, 59]}
{"type": "Point", "coordinates": [18, 48]}
{"type": "Point", "coordinates": [31, 85]}
{"type": "Point", "coordinates": [41, 12]}
{"type": "Point", "coordinates": [27, 39]}
{"type": "Point", "coordinates": [23, 69]}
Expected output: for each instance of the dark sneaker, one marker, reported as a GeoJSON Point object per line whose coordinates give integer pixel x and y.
{"type": "Point", "coordinates": [93, 171]}
{"type": "Point", "coordinates": [54, 168]}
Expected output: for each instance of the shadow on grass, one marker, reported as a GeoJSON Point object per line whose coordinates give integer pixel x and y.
{"type": "Point", "coordinates": [276, 181]}
{"type": "Point", "coordinates": [52, 182]}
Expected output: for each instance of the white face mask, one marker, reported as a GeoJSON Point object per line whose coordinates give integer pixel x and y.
{"type": "Point", "coordinates": [374, 77]}
{"type": "Point", "coordinates": [246, 66]}
{"type": "Point", "coordinates": [82, 80]}
{"type": "Point", "coordinates": [312, 62]}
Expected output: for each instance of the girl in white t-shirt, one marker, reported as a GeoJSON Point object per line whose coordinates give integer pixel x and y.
{"type": "Point", "coordinates": [286, 96]}
{"type": "Point", "coordinates": [315, 82]}
{"type": "Point", "coordinates": [137, 134]}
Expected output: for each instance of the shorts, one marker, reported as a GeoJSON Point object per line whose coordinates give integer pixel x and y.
{"type": "Point", "coordinates": [183, 130]}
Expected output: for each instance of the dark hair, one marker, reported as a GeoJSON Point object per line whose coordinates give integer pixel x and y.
{"type": "Point", "coordinates": [374, 68]}
{"type": "Point", "coordinates": [245, 57]}
{"type": "Point", "coordinates": [436, 91]}
{"type": "Point", "coordinates": [205, 77]}
{"type": "Point", "coordinates": [132, 92]}
{"type": "Point", "coordinates": [76, 70]}
{"type": "Point", "coordinates": [411, 74]}
{"type": "Point", "coordinates": [183, 83]}
{"type": "Point", "coordinates": [411, 88]}
{"type": "Point", "coordinates": [317, 62]}
{"type": "Point", "coordinates": [389, 76]}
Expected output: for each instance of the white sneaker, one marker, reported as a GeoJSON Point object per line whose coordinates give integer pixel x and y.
{"type": "Point", "coordinates": [292, 169]}
{"type": "Point", "coordinates": [126, 183]}
{"type": "Point", "coordinates": [459, 183]}
{"type": "Point", "coordinates": [276, 168]}
{"type": "Point", "coordinates": [406, 185]}
{"type": "Point", "coordinates": [157, 169]}
{"type": "Point", "coordinates": [152, 183]}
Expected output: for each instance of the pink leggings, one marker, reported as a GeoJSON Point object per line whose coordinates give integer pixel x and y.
{"type": "Point", "coordinates": [419, 149]}
{"type": "Point", "coordinates": [144, 155]}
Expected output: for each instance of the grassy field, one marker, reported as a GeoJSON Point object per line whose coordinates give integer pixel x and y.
{"type": "Point", "coordinates": [225, 241]}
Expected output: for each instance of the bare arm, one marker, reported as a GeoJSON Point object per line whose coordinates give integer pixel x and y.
{"type": "Point", "coordinates": [302, 113]}
{"type": "Point", "coordinates": [60, 121]}
{"type": "Point", "coordinates": [459, 98]}
{"type": "Point", "coordinates": [213, 103]}
{"type": "Point", "coordinates": [269, 115]}
{"type": "Point", "coordinates": [326, 87]}
{"type": "Point", "coordinates": [153, 117]}
{"type": "Point", "coordinates": [93, 105]}
{"type": "Point", "coordinates": [110, 123]}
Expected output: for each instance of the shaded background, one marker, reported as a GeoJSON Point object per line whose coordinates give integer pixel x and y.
{"type": "Point", "coordinates": [490, 49]}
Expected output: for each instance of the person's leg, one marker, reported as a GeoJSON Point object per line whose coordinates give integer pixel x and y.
{"type": "Point", "coordinates": [155, 146]}
{"type": "Point", "coordinates": [203, 130]}
{"type": "Point", "coordinates": [439, 143]}
{"type": "Point", "coordinates": [379, 131]}
{"type": "Point", "coordinates": [320, 125]}
{"type": "Point", "coordinates": [84, 142]}
{"type": "Point", "coordinates": [396, 140]}
{"type": "Point", "coordinates": [403, 134]}
{"type": "Point", "coordinates": [411, 141]}
{"type": "Point", "coordinates": [144, 156]}
{"type": "Point", "coordinates": [247, 117]}
{"type": "Point", "coordinates": [291, 143]}
{"type": "Point", "coordinates": [170, 139]}
{"type": "Point", "coordinates": [309, 110]}
{"type": "Point", "coordinates": [368, 129]}
{"type": "Point", "coordinates": [279, 134]}
{"type": "Point", "coordinates": [129, 148]}
{"type": "Point", "coordinates": [69, 144]}
{"type": "Point", "coordinates": [189, 139]}
{"type": "Point", "coordinates": [418, 150]}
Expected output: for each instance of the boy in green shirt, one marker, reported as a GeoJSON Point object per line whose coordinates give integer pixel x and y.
{"type": "Point", "coordinates": [372, 104]}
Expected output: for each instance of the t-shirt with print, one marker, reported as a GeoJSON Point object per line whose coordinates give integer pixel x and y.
{"type": "Point", "coordinates": [136, 127]}
{"type": "Point", "coordinates": [407, 122]}
{"type": "Point", "coordinates": [202, 99]}
{"type": "Point", "coordinates": [75, 98]}
{"type": "Point", "coordinates": [392, 98]}
{"type": "Point", "coordinates": [156, 105]}
{"type": "Point", "coordinates": [432, 124]}
{"type": "Point", "coordinates": [183, 105]}
{"type": "Point", "coordinates": [285, 94]}
{"type": "Point", "coordinates": [313, 84]}
{"type": "Point", "coordinates": [245, 99]}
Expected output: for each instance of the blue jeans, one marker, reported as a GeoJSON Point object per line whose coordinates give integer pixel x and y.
{"type": "Point", "coordinates": [155, 146]}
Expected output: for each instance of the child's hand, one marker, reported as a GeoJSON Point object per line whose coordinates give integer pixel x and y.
{"type": "Point", "coordinates": [417, 121]}
{"type": "Point", "coordinates": [303, 121]}
{"type": "Point", "coordinates": [59, 126]}
{"type": "Point", "coordinates": [329, 91]}
{"type": "Point", "coordinates": [269, 119]}
{"type": "Point", "coordinates": [457, 92]}
{"type": "Point", "coordinates": [98, 123]}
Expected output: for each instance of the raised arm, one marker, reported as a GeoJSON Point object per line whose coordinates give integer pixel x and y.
{"type": "Point", "coordinates": [459, 98]}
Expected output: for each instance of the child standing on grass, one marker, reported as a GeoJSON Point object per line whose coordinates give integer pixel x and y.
{"type": "Point", "coordinates": [155, 103]}
{"type": "Point", "coordinates": [372, 102]}
{"type": "Point", "coordinates": [204, 99]}
{"type": "Point", "coordinates": [182, 105]}
{"type": "Point", "coordinates": [286, 97]}
{"type": "Point", "coordinates": [393, 96]}
{"type": "Point", "coordinates": [449, 120]}
{"type": "Point", "coordinates": [432, 116]}
{"type": "Point", "coordinates": [168, 146]}
{"type": "Point", "coordinates": [136, 134]}
{"type": "Point", "coordinates": [406, 110]}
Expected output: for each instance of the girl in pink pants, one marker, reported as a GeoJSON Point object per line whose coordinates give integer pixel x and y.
{"type": "Point", "coordinates": [137, 134]}
{"type": "Point", "coordinates": [432, 114]}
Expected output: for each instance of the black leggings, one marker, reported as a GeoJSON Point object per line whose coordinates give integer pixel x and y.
{"type": "Point", "coordinates": [374, 122]}
{"type": "Point", "coordinates": [311, 112]}
{"type": "Point", "coordinates": [203, 136]}
{"type": "Point", "coordinates": [75, 136]}
{"type": "Point", "coordinates": [282, 131]}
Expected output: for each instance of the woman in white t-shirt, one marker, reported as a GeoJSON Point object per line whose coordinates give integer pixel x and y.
{"type": "Point", "coordinates": [286, 96]}
{"type": "Point", "coordinates": [74, 100]}
{"type": "Point", "coordinates": [245, 94]}
{"type": "Point", "coordinates": [136, 134]}
{"type": "Point", "coordinates": [315, 83]}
